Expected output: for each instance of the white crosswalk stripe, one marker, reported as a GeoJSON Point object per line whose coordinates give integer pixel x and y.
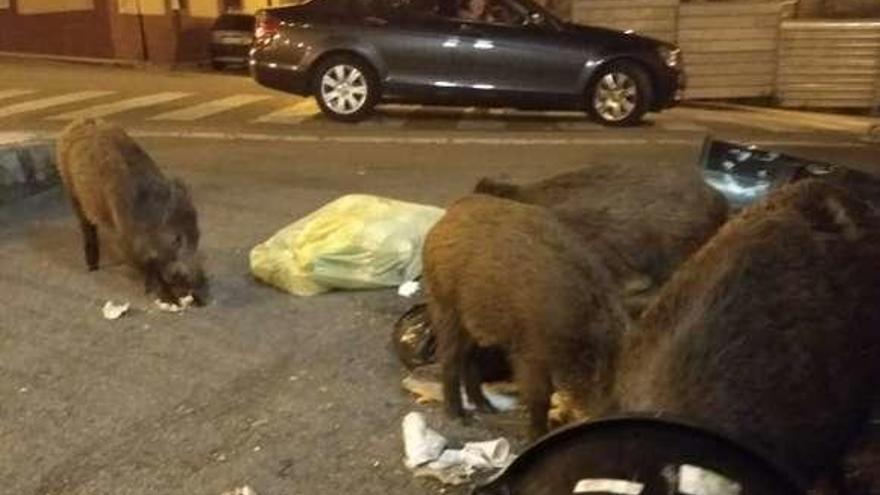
{"type": "Point", "coordinates": [53, 101]}
{"type": "Point", "coordinates": [688, 118]}
{"type": "Point", "coordinates": [293, 114]}
{"type": "Point", "coordinates": [121, 106]}
{"type": "Point", "coordinates": [14, 93]}
{"type": "Point", "coordinates": [209, 108]}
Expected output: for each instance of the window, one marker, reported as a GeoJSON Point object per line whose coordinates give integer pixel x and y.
{"type": "Point", "coordinates": [492, 11]}
{"type": "Point", "coordinates": [386, 9]}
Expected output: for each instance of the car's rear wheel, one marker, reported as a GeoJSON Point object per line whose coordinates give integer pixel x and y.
{"type": "Point", "coordinates": [346, 88]}
{"type": "Point", "coordinates": [620, 95]}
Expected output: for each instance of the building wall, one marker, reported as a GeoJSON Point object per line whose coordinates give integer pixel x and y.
{"type": "Point", "coordinates": [72, 28]}
{"type": "Point", "coordinates": [851, 8]}
{"type": "Point", "coordinates": [160, 31]}
{"type": "Point", "coordinates": [251, 6]}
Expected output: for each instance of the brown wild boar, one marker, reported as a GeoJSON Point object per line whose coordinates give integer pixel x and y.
{"type": "Point", "coordinates": [649, 217]}
{"type": "Point", "coordinates": [499, 273]}
{"type": "Point", "coordinates": [771, 332]}
{"type": "Point", "coordinates": [116, 187]}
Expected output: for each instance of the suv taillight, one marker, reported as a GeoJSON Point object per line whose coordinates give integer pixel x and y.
{"type": "Point", "coordinates": [266, 26]}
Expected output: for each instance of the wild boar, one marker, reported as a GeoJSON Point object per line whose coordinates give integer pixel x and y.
{"type": "Point", "coordinates": [771, 332]}
{"type": "Point", "coordinates": [116, 187]}
{"type": "Point", "coordinates": [504, 274]}
{"type": "Point", "coordinates": [648, 217]}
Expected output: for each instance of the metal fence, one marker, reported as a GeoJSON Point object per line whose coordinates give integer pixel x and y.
{"type": "Point", "coordinates": [655, 18]}
{"type": "Point", "coordinates": [751, 49]}
{"type": "Point", "coordinates": [729, 48]}
{"type": "Point", "coordinates": [829, 64]}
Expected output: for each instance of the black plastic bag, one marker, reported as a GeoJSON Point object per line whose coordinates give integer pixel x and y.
{"type": "Point", "coordinates": [413, 338]}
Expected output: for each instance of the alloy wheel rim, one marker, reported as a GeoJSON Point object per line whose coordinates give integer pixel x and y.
{"type": "Point", "coordinates": [615, 97]}
{"type": "Point", "coordinates": [344, 89]}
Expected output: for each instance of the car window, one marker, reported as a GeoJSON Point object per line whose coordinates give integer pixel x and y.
{"type": "Point", "coordinates": [503, 12]}
{"type": "Point", "coordinates": [389, 9]}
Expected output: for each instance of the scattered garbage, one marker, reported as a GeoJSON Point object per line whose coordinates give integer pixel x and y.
{"type": "Point", "coordinates": [113, 311]}
{"type": "Point", "coordinates": [355, 242]}
{"type": "Point", "coordinates": [415, 345]}
{"type": "Point", "coordinates": [427, 454]}
{"type": "Point", "coordinates": [413, 338]}
{"type": "Point", "coordinates": [420, 443]}
{"type": "Point", "coordinates": [182, 304]}
{"type": "Point", "coordinates": [425, 384]}
{"type": "Point", "coordinates": [409, 288]}
{"type": "Point", "coordinates": [244, 490]}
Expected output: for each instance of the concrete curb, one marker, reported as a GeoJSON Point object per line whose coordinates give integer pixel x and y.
{"type": "Point", "coordinates": [27, 167]}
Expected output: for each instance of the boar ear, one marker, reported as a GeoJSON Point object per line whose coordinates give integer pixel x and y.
{"type": "Point", "coordinates": [495, 188]}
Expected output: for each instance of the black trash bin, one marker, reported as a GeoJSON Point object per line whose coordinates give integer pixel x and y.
{"type": "Point", "coordinates": [642, 455]}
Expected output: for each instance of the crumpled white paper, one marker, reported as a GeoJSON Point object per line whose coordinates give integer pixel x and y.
{"type": "Point", "coordinates": [244, 490]}
{"type": "Point", "coordinates": [182, 304]}
{"type": "Point", "coordinates": [427, 455]}
{"type": "Point", "coordinates": [113, 311]}
{"type": "Point", "coordinates": [409, 289]}
{"type": "Point", "coordinates": [428, 390]}
{"type": "Point", "coordinates": [420, 443]}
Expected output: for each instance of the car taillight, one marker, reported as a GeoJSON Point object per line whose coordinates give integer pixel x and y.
{"type": "Point", "coordinates": [266, 26]}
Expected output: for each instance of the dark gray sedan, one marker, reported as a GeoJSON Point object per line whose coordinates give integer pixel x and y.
{"type": "Point", "coordinates": [354, 54]}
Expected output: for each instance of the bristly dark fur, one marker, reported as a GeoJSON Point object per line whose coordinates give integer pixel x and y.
{"type": "Point", "coordinates": [506, 274]}
{"type": "Point", "coordinates": [771, 332]}
{"type": "Point", "coordinates": [116, 187]}
{"type": "Point", "coordinates": [648, 217]}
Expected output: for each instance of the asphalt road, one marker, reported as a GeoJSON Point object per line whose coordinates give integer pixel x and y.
{"type": "Point", "coordinates": [43, 96]}
{"type": "Point", "coordinates": [288, 395]}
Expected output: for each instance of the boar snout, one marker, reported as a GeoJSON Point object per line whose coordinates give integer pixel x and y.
{"type": "Point", "coordinates": [186, 278]}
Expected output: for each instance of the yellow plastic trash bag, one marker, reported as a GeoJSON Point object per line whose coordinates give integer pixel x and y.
{"type": "Point", "coordinates": [355, 242]}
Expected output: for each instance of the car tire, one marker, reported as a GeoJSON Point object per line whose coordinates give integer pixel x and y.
{"type": "Point", "coordinates": [619, 95]}
{"type": "Point", "coordinates": [354, 84]}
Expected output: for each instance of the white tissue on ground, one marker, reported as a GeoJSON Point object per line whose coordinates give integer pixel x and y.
{"type": "Point", "coordinates": [409, 289]}
{"type": "Point", "coordinates": [113, 311]}
{"type": "Point", "coordinates": [427, 455]}
{"type": "Point", "coordinates": [244, 490]}
{"type": "Point", "coordinates": [432, 391]}
{"type": "Point", "coordinates": [421, 444]}
{"type": "Point", "coordinates": [182, 304]}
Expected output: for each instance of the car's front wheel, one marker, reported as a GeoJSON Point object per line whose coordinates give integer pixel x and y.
{"type": "Point", "coordinates": [619, 95]}
{"type": "Point", "coordinates": [346, 88]}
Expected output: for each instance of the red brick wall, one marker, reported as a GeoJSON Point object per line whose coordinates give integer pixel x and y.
{"type": "Point", "coordinates": [193, 38]}
{"type": "Point", "coordinates": [81, 34]}
{"type": "Point", "coordinates": [126, 37]}
{"type": "Point", "coordinates": [103, 33]}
